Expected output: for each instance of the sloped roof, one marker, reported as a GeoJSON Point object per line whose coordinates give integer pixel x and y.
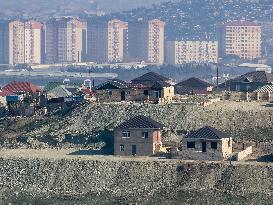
{"type": "Point", "coordinates": [4, 93]}
{"type": "Point", "coordinates": [115, 83]}
{"type": "Point", "coordinates": [207, 133]}
{"type": "Point", "coordinates": [62, 91]}
{"type": "Point", "coordinates": [151, 76]}
{"type": "Point", "coordinates": [140, 121]}
{"type": "Point", "coordinates": [16, 86]}
{"type": "Point", "coordinates": [264, 89]}
{"type": "Point", "coordinates": [256, 76]}
{"type": "Point", "coordinates": [52, 85]}
{"type": "Point", "coordinates": [194, 83]}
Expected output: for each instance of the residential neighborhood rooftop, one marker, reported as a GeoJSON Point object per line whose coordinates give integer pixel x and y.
{"type": "Point", "coordinates": [16, 86]}
{"type": "Point", "coordinates": [141, 121]}
{"type": "Point", "coordinates": [194, 83]}
{"type": "Point", "coordinates": [151, 76]}
{"type": "Point", "coordinates": [207, 132]}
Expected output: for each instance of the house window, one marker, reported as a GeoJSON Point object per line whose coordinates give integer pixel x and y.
{"type": "Point", "coordinates": [190, 145]}
{"type": "Point", "coordinates": [126, 134]}
{"type": "Point", "coordinates": [238, 88]}
{"type": "Point", "coordinates": [122, 148]}
{"type": "Point", "coordinates": [213, 145]}
{"type": "Point", "coordinates": [146, 92]}
{"type": "Point", "coordinates": [110, 93]}
{"type": "Point", "coordinates": [145, 135]}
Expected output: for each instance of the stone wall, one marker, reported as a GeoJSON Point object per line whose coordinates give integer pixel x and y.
{"type": "Point", "coordinates": [243, 154]}
{"type": "Point", "coordinates": [134, 180]}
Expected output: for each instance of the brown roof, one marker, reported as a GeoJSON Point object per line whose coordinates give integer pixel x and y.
{"type": "Point", "coordinates": [140, 122]}
{"type": "Point", "coordinates": [151, 76]}
{"type": "Point", "coordinates": [194, 83]}
{"type": "Point", "coordinates": [207, 133]}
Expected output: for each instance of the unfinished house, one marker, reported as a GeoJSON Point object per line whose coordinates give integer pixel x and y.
{"type": "Point", "coordinates": [206, 143]}
{"type": "Point", "coordinates": [138, 136]}
{"type": "Point", "coordinates": [155, 90]}
{"type": "Point", "coordinates": [193, 86]}
{"type": "Point", "coordinates": [158, 87]}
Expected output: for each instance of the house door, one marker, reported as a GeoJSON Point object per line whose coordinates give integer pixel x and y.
{"type": "Point", "coordinates": [134, 150]}
{"type": "Point", "coordinates": [204, 146]}
{"type": "Point", "coordinates": [122, 95]}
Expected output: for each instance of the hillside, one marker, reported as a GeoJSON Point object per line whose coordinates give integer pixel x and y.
{"type": "Point", "coordinates": [92, 124]}
{"type": "Point", "coordinates": [197, 19]}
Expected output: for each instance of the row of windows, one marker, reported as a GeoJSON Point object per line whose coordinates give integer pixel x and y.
{"type": "Point", "coordinates": [127, 134]}
{"type": "Point", "coordinates": [191, 145]}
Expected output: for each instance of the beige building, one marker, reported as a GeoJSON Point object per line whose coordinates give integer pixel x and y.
{"type": "Point", "coordinates": [25, 42]}
{"type": "Point", "coordinates": [106, 41]}
{"type": "Point", "coordinates": [146, 41]}
{"type": "Point", "coordinates": [206, 143]}
{"type": "Point", "coordinates": [138, 136]}
{"type": "Point", "coordinates": [65, 40]}
{"type": "Point", "coordinates": [180, 52]}
{"type": "Point", "coordinates": [33, 42]}
{"type": "Point", "coordinates": [16, 42]}
{"type": "Point", "coordinates": [240, 38]}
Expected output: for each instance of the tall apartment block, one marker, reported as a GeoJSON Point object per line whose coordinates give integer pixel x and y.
{"type": "Point", "coordinates": [146, 41]}
{"type": "Point", "coordinates": [240, 38]}
{"type": "Point", "coordinates": [65, 40]}
{"type": "Point", "coordinates": [4, 42]}
{"type": "Point", "coordinates": [16, 42]}
{"type": "Point", "coordinates": [180, 52]}
{"type": "Point", "coordinates": [25, 42]}
{"type": "Point", "coordinates": [33, 42]}
{"type": "Point", "coordinates": [107, 41]}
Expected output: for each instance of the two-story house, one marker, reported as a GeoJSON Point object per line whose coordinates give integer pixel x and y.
{"type": "Point", "coordinates": [139, 135]}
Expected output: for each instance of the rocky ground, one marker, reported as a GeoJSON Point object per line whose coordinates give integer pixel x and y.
{"type": "Point", "coordinates": [63, 177]}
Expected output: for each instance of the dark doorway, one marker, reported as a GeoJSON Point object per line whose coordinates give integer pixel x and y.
{"type": "Point", "coordinates": [134, 150]}
{"type": "Point", "coordinates": [204, 146]}
{"type": "Point", "coordinates": [122, 95]}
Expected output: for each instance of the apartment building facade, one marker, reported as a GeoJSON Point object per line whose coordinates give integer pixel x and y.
{"type": "Point", "coordinates": [180, 52]}
{"type": "Point", "coordinates": [146, 41]}
{"type": "Point", "coordinates": [240, 38]}
{"type": "Point", "coordinates": [65, 40]}
{"type": "Point", "coordinates": [4, 42]}
{"type": "Point", "coordinates": [33, 42]}
{"type": "Point", "coordinates": [16, 42]}
{"type": "Point", "coordinates": [106, 41]}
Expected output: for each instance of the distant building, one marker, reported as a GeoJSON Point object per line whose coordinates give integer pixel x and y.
{"type": "Point", "coordinates": [193, 86]}
{"type": "Point", "coordinates": [146, 41]}
{"type": "Point", "coordinates": [107, 41]}
{"type": "Point", "coordinates": [16, 42]}
{"type": "Point", "coordinates": [149, 88]}
{"type": "Point", "coordinates": [65, 40]}
{"type": "Point", "coordinates": [141, 136]}
{"type": "Point", "coordinates": [4, 42]}
{"type": "Point", "coordinates": [34, 39]}
{"type": "Point", "coordinates": [25, 42]}
{"type": "Point", "coordinates": [248, 82]}
{"type": "Point", "coordinates": [180, 52]}
{"type": "Point", "coordinates": [240, 38]}
{"type": "Point", "coordinates": [206, 143]}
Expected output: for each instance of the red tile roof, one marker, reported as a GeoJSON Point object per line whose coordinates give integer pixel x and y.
{"type": "Point", "coordinates": [16, 86]}
{"type": "Point", "coordinates": [4, 93]}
